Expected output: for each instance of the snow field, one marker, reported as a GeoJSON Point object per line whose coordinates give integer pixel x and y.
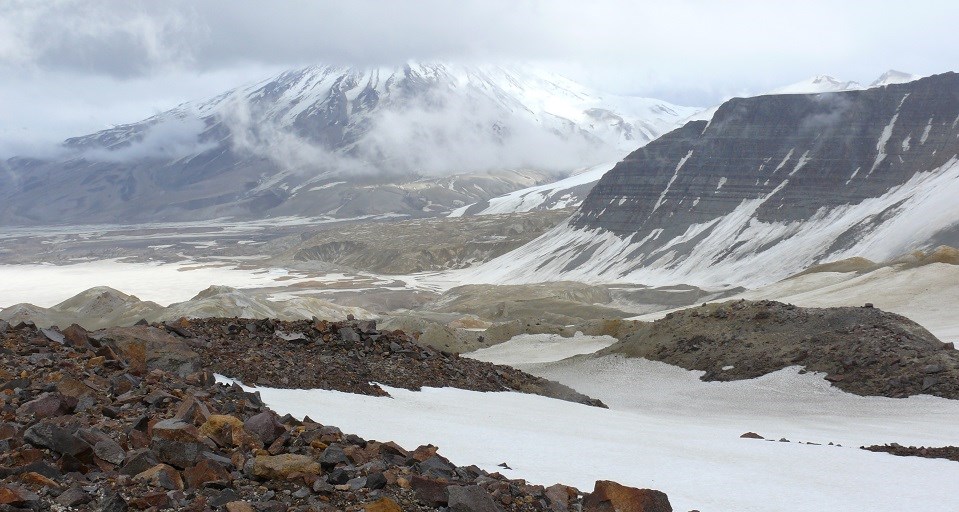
{"type": "Point", "coordinates": [667, 430]}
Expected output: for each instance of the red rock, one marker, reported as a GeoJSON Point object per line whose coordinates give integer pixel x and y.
{"type": "Point", "coordinates": [16, 496]}
{"type": "Point", "coordinates": [611, 496]}
{"type": "Point", "coordinates": [430, 491]}
{"type": "Point", "coordinates": [163, 476]}
{"type": "Point", "coordinates": [424, 452]}
{"type": "Point", "coordinates": [37, 479]}
{"type": "Point", "coordinates": [76, 336]}
{"type": "Point", "coordinates": [159, 500]}
{"type": "Point", "coordinates": [206, 473]}
{"type": "Point", "coordinates": [48, 405]}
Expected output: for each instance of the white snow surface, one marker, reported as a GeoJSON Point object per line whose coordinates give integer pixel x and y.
{"type": "Point", "coordinates": [817, 84]}
{"type": "Point", "coordinates": [925, 294]}
{"type": "Point", "coordinates": [164, 283]}
{"type": "Point", "coordinates": [46, 285]}
{"type": "Point", "coordinates": [553, 196]}
{"type": "Point", "coordinates": [825, 83]}
{"type": "Point", "coordinates": [667, 430]}
{"type": "Point", "coordinates": [763, 252]}
{"type": "Point", "coordinates": [540, 348]}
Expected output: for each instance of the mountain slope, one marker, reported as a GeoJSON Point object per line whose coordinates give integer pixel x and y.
{"type": "Point", "coordinates": [768, 187]}
{"type": "Point", "coordinates": [336, 141]}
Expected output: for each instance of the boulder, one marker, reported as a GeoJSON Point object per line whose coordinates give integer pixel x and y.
{"type": "Point", "coordinates": [265, 427]}
{"type": "Point", "coordinates": [48, 405]}
{"type": "Point", "coordinates": [138, 461]}
{"type": "Point", "coordinates": [59, 438]}
{"type": "Point", "coordinates": [471, 498]}
{"type": "Point", "coordinates": [176, 443]}
{"type": "Point", "coordinates": [110, 451]}
{"type": "Point", "coordinates": [10, 495]}
{"type": "Point", "coordinates": [430, 491]}
{"type": "Point", "coordinates": [163, 350]}
{"type": "Point", "coordinates": [163, 476]}
{"type": "Point", "coordinates": [207, 473]}
{"type": "Point", "coordinates": [284, 465]}
{"type": "Point", "coordinates": [610, 496]}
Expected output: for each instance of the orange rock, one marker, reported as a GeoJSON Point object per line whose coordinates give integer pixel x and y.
{"type": "Point", "coordinates": [163, 476]}
{"type": "Point", "coordinates": [239, 506]}
{"type": "Point", "coordinates": [38, 480]}
{"type": "Point", "coordinates": [613, 496]}
{"type": "Point", "coordinates": [383, 505]}
{"type": "Point", "coordinates": [285, 465]}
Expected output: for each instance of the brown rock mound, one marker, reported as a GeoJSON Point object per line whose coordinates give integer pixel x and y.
{"type": "Point", "coordinates": [862, 350]}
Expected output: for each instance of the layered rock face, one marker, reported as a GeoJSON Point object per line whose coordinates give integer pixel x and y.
{"type": "Point", "coordinates": [799, 152]}
{"type": "Point", "coordinates": [769, 186]}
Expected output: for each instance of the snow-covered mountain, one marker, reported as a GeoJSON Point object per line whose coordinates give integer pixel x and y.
{"type": "Point", "coordinates": [767, 187]}
{"type": "Point", "coordinates": [825, 83]}
{"type": "Point", "coordinates": [817, 84]}
{"type": "Point", "coordinates": [894, 77]}
{"type": "Point", "coordinates": [337, 141]}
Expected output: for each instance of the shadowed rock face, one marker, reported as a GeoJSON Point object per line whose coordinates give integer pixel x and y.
{"type": "Point", "coordinates": [801, 152]}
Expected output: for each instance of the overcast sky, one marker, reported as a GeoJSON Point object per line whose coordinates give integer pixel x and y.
{"type": "Point", "coordinates": [71, 67]}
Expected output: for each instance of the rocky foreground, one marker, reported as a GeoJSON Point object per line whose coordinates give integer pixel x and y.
{"type": "Point", "coordinates": [862, 350]}
{"type": "Point", "coordinates": [91, 424]}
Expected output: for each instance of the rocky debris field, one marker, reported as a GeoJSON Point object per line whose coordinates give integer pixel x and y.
{"type": "Point", "coordinates": [863, 350]}
{"type": "Point", "coordinates": [95, 424]}
{"type": "Point", "coordinates": [350, 356]}
{"type": "Point", "coordinates": [940, 452]}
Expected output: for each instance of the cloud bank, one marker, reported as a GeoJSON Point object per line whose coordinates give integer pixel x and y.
{"type": "Point", "coordinates": [74, 66]}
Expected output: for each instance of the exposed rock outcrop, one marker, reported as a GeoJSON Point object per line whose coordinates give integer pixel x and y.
{"type": "Point", "coordinates": [861, 350]}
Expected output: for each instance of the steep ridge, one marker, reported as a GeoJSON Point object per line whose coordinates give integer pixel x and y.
{"type": "Point", "coordinates": [768, 187]}
{"type": "Point", "coordinates": [339, 142]}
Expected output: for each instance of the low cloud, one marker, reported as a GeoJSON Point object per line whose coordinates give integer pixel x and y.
{"type": "Point", "coordinates": [167, 138]}
{"type": "Point", "coordinates": [832, 107]}
{"type": "Point", "coordinates": [434, 135]}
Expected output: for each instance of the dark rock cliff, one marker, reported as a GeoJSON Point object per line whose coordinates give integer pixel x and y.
{"type": "Point", "coordinates": [804, 152]}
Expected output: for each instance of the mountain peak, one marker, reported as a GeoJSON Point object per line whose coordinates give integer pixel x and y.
{"type": "Point", "coordinates": [817, 84]}
{"type": "Point", "coordinates": [894, 77]}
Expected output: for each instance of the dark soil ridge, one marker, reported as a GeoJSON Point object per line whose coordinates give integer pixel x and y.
{"type": "Point", "coordinates": [863, 350]}
{"type": "Point", "coordinates": [938, 452]}
{"type": "Point", "coordinates": [349, 356]}
{"type": "Point", "coordinates": [94, 424]}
